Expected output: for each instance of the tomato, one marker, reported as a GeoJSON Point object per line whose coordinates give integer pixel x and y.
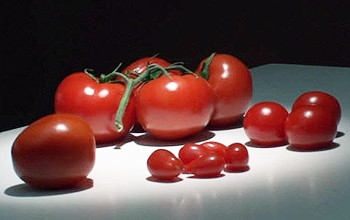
{"type": "Point", "coordinates": [216, 147]}
{"type": "Point", "coordinates": [236, 158]}
{"type": "Point", "coordinates": [140, 65]}
{"type": "Point", "coordinates": [319, 98]}
{"type": "Point", "coordinates": [231, 81]}
{"type": "Point", "coordinates": [97, 103]}
{"type": "Point", "coordinates": [164, 165]}
{"type": "Point", "coordinates": [311, 128]}
{"type": "Point", "coordinates": [56, 151]}
{"type": "Point", "coordinates": [176, 107]}
{"type": "Point", "coordinates": [264, 124]}
{"type": "Point", "coordinates": [191, 151]}
{"type": "Point", "coordinates": [206, 166]}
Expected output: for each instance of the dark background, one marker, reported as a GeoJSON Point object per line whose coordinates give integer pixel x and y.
{"type": "Point", "coordinates": [44, 41]}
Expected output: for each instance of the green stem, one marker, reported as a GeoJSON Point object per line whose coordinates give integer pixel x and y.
{"type": "Point", "coordinates": [205, 68]}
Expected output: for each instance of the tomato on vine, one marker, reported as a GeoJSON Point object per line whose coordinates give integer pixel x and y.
{"type": "Point", "coordinates": [97, 101]}
{"type": "Point", "coordinates": [231, 82]}
{"type": "Point", "coordinates": [174, 107]}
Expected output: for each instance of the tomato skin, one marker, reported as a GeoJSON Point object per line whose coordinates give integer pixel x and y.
{"type": "Point", "coordinates": [320, 98]}
{"type": "Point", "coordinates": [97, 103]}
{"type": "Point", "coordinates": [176, 107]}
{"type": "Point", "coordinates": [236, 157]}
{"type": "Point", "coordinates": [164, 165]}
{"type": "Point", "coordinates": [206, 166]}
{"type": "Point", "coordinates": [232, 84]}
{"type": "Point", "coordinates": [56, 151]}
{"type": "Point", "coordinates": [264, 124]}
{"type": "Point", "coordinates": [191, 151]}
{"type": "Point", "coordinates": [216, 147]}
{"type": "Point", "coordinates": [311, 128]}
{"type": "Point", "coordinates": [140, 65]}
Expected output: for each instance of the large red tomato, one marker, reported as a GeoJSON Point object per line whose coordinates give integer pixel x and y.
{"type": "Point", "coordinates": [56, 151]}
{"type": "Point", "coordinates": [139, 66]}
{"type": "Point", "coordinates": [97, 103]}
{"type": "Point", "coordinates": [232, 85]}
{"type": "Point", "coordinates": [176, 107]}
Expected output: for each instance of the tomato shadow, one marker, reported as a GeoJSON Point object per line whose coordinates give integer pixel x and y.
{"type": "Point", "coordinates": [210, 177]}
{"type": "Point", "coordinates": [251, 144]}
{"type": "Point", "coordinates": [326, 148]}
{"type": "Point", "coordinates": [339, 134]}
{"type": "Point", "coordinates": [25, 190]}
{"type": "Point", "coordinates": [237, 125]}
{"type": "Point", "coordinates": [174, 180]}
{"type": "Point", "coordinates": [149, 140]}
{"type": "Point", "coordinates": [237, 170]}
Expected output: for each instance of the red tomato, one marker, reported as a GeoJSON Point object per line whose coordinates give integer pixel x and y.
{"type": "Point", "coordinates": [236, 158]}
{"type": "Point", "coordinates": [311, 128]}
{"type": "Point", "coordinates": [232, 85]}
{"type": "Point", "coordinates": [97, 103]}
{"type": "Point", "coordinates": [176, 107]}
{"type": "Point", "coordinates": [56, 151]}
{"type": "Point", "coordinates": [191, 151]}
{"type": "Point", "coordinates": [319, 98]}
{"type": "Point", "coordinates": [140, 65]}
{"type": "Point", "coordinates": [216, 147]}
{"type": "Point", "coordinates": [264, 124]}
{"type": "Point", "coordinates": [206, 166]}
{"type": "Point", "coordinates": [164, 165]}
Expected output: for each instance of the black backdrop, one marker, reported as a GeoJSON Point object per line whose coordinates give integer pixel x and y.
{"type": "Point", "coordinates": [44, 41]}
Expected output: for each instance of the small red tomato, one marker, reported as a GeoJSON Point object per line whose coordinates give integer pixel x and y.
{"type": "Point", "coordinates": [320, 98]}
{"type": "Point", "coordinates": [56, 151]}
{"type": "Point", "coordinates": [206, 166]}
{"type": "Point", "coordinates": [236, 158]}
{"type": "Point", "coordinates": [191, 151]}
{"type": "Point", "coordinates": [216, 147]}
{"type": "Point", "coordinates": [232, 85]}
{"type": "Point", "coordinates": [264, 124]}
{"type": "Point", "coordinates": [311, 128]}
{"type": "Point", "coordinates": [164, 165]}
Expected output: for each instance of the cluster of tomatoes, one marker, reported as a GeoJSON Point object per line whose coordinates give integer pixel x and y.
{"type": "Point", "coordinates": [206, 160]}
{"type": "Point", "coordinates": [311, 124]}
{"type": "Point", "coordinates": [167, 100]}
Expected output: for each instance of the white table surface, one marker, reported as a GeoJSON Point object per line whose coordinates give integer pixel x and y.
{"type": "Point", "coordinates": [281, 184]}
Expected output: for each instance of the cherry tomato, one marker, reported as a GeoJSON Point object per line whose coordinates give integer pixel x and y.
{"type": "Point", "coordinates": [139, 66]}
{"type": "Point", "coordinates": [56, 151]}
{"type": "Point", "coordinates": [319, 98]}
{"type": "Point", "coordinates": [206, 166]}
{"type": "Point", "coordinates": [164, 165]}
{"type": "Point", "coordinates": [191, 151]}
{"type": "Point", "coordinates": [176, 107]}
{"type": "Point", "coordinates": [236, 158]}
{"type": "Point", "coordinates": [311, 128]}
{"type": "Point", "coordinates": [97, 103]}
{"type": "Point", "coordinates": [231, 81]}
{"type": "Point", "coordinates": [264, 124]}
{"type": "Point", "coordinates": [216, 147]}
